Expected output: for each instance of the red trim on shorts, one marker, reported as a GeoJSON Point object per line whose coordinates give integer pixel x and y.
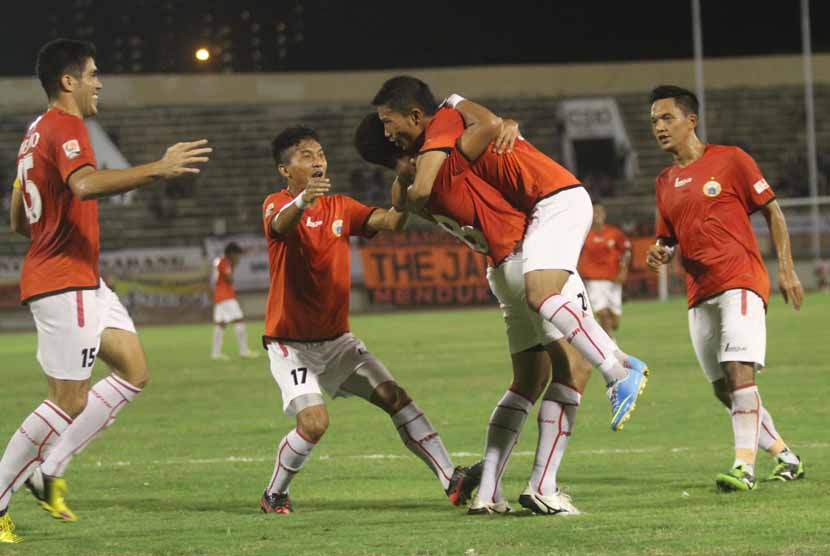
{"type": "Point", "coordinates": [79, 301]}
{"type": "Point", "coordinates": [743, 303]}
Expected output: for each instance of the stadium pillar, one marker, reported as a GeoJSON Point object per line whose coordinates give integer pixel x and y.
{"type": "Point", "coordinates": [697, 37]}
{"type": "Point", "coordinates": [809, 103]}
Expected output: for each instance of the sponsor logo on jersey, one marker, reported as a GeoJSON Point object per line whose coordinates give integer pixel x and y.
{"type": "Point", "coordinates": [337, 227]}
{"type": "Point", "coordinates": [711, 188]}
{"type": "Point", "coordinates": [312, 223]}
{"type": "Point", "coordinates": [72, 149]}
{"type": "Point", "coordinates": [680, 183]}
{"type": "Point", "coordinates": [761, 185]}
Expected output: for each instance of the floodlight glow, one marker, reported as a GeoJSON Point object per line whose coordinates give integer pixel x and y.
{"type": "Point", "coordinates": [203, 55]}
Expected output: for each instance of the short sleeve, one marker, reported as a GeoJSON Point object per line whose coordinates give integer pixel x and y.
{"type": "Point", "coordinates": [751, 185]}
{"type": "Point", "coordinates": [443, 131]}
{"type": "Point", "coordinates": [73, 149]}
{"type": "Point", "coordinates": [269, 210]}
{"type": "Point", "coordinates": [357, 215]}
{"type": "Point", "coordinates": [663, 228]}
{"type": "Point", "coordinates": [623, 241]}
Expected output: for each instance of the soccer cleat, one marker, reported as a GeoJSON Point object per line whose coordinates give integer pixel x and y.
{"type": "Point", "coordinates": [486, 508]}
{"type": "Point", "coordinates": [220, 357]}
{"type": "Point", "coordinates": [624, 392]}
{"type": "Point", "coordinates": [7, 533]}
{"type": "Point", "coordinates": [463, 482]}
{"type": "Point", "coordinates": [35, 485]}
{"type": "Point", "coordinates": [738, 478]}
{"type": "Point", "coordinates": [53, 501]}
{"type": "Point", "coordinates": [787, 471]}
{"type": "Point", "coordinates": [557, 504]}
{"type": "Point", "coordinates": [278, 503]}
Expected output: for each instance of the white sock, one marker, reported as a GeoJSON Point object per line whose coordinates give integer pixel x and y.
{"type": "Point", "coordinates": [746, 423]}
{"type": "Point", "coordinates": [556, 421]}
{"type": "Point", "coordinates": [421, 439]}
{"type": "Point", "coordinates": [218, 333]}
{"type": "Point", "coordinates": [291, 455]}
{"type": "Point", "coordinates": [768, 435]}
{"type": "Point", "coordinates": [585, 334]}
{"type": "Point", "coordinates": [104, 401]}
{"type": "Point", "coordinates": [242, 338]}
{"type": "Point", "coordinates": [506, 424]}
{"type": "Point", "coordinates": [40, 430]}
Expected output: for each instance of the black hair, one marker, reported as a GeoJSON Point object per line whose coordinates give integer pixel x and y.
{"type": "Point", "coordinates": [372, 144]}
{"type": "Point", "coordinates": [403, 93]}
{"type": "Point", "coordinates": [59, 57]}
{"type": "Point", "coordinates": [288, 138]}
{"type": "Point", "coordinates": [685, 99]}
{"type": "Point", "coordinates": [232, 248]}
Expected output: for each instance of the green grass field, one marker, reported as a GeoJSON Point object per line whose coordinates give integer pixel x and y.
{"type": "Point", "coordinates": [182, 470]}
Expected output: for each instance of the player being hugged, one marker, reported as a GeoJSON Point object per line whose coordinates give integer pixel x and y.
{"type": "Point", "coordinates": [704, 200]}
{"type": "Point", "coordinates": [78, 318]}
{"type": "Point", "coordinates": [307, 336]}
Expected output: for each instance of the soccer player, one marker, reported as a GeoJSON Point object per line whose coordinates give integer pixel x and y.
{"type": "Point", "coordinates": [479, 216]}
{"type": "Point", "coordinates": [558, 210]}
{"type": "Point", "coordinates": [704, 200]}
{"type": "Point", "coordinates": [604, 267]}
{"type": "Point", "coordinates": [307, 333]}
{"type": "Point", "coordinates": [226, 309]}
{"type": "Point", "coordinates": [78, 318]}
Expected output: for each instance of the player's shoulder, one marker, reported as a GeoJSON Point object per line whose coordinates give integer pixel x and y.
{"type": "Point", "coordinates": [732, 152]}
{"type": "Point", "coordinates": [445, 117]}
{"type": "Point", "coordinates": [664, 175]}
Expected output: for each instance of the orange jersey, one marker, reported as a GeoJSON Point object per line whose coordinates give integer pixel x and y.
{"type": "Point", "coordinates": [602, 253]}
{"type": "Point", "coordinates": [474, 212]}
{"type": "Point", "coordinates": [308, 298]}
{"type": "Point", "coordinates": [63, 254]}
{"type": "Point", "coordinates": [524, 176]}
{"type": "Point", "coordinates": [705, 208]}
{"type": "Point", "coordinates": [442, 131]}
{"type": "Point", "coordinates": [222, 286]}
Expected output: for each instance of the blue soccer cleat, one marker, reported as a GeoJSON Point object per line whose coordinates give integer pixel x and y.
{"type": "Point", "coordinates": [624, 392]}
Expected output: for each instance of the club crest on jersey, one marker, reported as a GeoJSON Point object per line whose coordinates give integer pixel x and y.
{"type": "Point", "coordinates": [72, 149]}
{"type": "Point", "coordinates": [711, 188]}
{"type": "Point", "coordinates": [337, 227]}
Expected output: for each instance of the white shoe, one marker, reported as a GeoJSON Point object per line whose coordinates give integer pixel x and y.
{"type": "Point", "coordinates": [558, 503]}
{"type": "Point", "coordinates": [220, 357]}
{"type": "Point", "coordinates": [485, 508]}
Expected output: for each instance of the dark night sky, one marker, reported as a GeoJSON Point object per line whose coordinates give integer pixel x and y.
{"type": "Point", "coordinates": [328, 35]}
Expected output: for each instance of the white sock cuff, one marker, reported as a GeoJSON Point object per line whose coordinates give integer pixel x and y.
{"type": "Point", "coordinates": [746, 397]}
{"type": "Point", "coordinates": [407, 414]}
{"type": "Point", "coordinates": [563, 394]}
{"type": "Point", "coordinates": [121, 387]}
{"type": "Point", "coordinates": [298, 443]}
{"type": "Point", "coordinates": [551, 305]}
{"type": "Point", "coordinates": [54, 416]}
{"type": "Point", "coordinates": [512, 400]}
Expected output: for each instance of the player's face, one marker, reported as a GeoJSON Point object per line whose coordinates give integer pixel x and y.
{"type": "Point", "coordinates": [87, 89]}
{"type": "Point", "coordinates": [670, 126]}
{"type": "Point", "coordinates": [401, 129]}
{"type": "Point", "coordinates": [307, 161]}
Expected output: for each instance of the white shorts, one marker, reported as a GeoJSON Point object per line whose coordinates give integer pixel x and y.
{"type": "Point", "coordinates": [605, 294]}
{"type": "Point", "coordinates": [69, 327]}
{"type": "Point", "coordinates": [729, 327]}
{"type": "Point", "coordinates": [557, 230]}
{"type": "Point", "coordinates": [303, 368]}
{"type": "Point", "coordinates": [525, 327]}
{"type": "Point", "coordinates": [227, 311]}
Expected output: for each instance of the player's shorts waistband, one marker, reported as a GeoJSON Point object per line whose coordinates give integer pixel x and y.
{"type": "Point", "coordinates": [271, 339]}
{"type": "Point", "coordinates": [57, 292]}
{"type": "Point", "coordinates": [560, 190]}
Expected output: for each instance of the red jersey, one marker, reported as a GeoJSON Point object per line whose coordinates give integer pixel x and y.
{"type": "Point", "coordinates": [308, 298]}
{"type": "Point", "coordinates": [474, 212]}
{"type": "Point", "coordinates": [442, 131]}
{"type": "Point", "coordinates": [705, 208]}
{"type": "Point", "coordinates": [524, 176]}
{"type": "Point", "coordinates": [602, 253]}
{"type": "Point", "coordinates": [63, 254]}
{"type": "Point", "coordinates": [222, 287]}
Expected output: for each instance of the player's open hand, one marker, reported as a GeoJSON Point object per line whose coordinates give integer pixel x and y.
{"type": "Point", "coordinates": [657, 256]}
{"type": "Point", "coordinates": [316, 188]}
{"type": "Point", "coordinates": [507, 136]}
{"type": "Point", "coordinates": [791, 287]}
{"type": "Point", "coordinates": [183, 158]}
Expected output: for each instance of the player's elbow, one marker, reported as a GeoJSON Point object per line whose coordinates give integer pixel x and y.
{"type": "Point", "coordinates": [83, 189]}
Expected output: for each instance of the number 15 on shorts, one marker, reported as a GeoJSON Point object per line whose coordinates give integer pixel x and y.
{"type": "Point", "coordinates": [88, 357]}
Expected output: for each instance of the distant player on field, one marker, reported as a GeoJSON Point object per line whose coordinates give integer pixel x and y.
{"type": "Point", "coordinates": [307, 333]}
{"type": "Point", "coordinates": [226, 309]}
{"type": "Point", "coordinates": [559, 216]}
{"type": "Point", "coordinates": [604, 267]}
{"type": "Point", "coordinates": [704, 201]}
{"type": "Point", "coordinates": [78, 318]}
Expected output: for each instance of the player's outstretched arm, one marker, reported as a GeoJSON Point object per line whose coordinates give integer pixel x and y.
{"type": "Point", "coordinates": [179, 159]}
{"type": "Point", "coordinates": [17, 212]}
{"type": "Point", "coordinates": [427, 166]}
{"type": "Point", "coordinates": [288, 216]}
{"type": "Point", "coordinates": [386, 220]}
{"type": "Point", "coordinates": [788, 281]}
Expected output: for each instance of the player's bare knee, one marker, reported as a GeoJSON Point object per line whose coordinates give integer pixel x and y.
{"type": "Point", "coordinates": [72, 403]}
{"type": "Point", "coordinates": [391, 397]}
{"type": "Point", "coordinates": [313, 422]}
{"type": "Point", "coordinates": [739, 374]}
{"type": "Point", "coordinates": [722, 391]}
